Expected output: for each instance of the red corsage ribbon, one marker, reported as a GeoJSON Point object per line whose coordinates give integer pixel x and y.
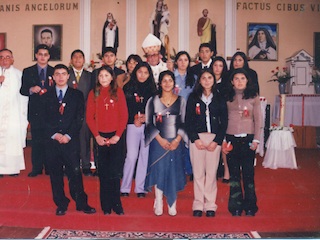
{"type": "Point", "coordinates": [74, 84]}
{"type": "Point", "coordinates": [245, 112]}
{"type": "Point", "coordinates": [61, 108]}
{"type": "Point", "coordinates": [198, 108]}
{"type": "Point", "coordinates": [42, 91]}
{"type": "Point", "coordinates": [137, 97]}
{"type": "Point", "coordinates": [50, 81]}
{"type": "Point", "coordinates": [159, 118]}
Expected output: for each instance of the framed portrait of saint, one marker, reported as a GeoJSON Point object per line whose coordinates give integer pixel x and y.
{"type": "Point", "coordinates": [50, 35]}
{"type": "Point", "coordinates": [263, 41]}
{"type": "Point", "coordinates": [3, 39]}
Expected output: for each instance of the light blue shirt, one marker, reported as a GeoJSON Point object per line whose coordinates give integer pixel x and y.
{"type": "Point", "coordinates": [181, 85]}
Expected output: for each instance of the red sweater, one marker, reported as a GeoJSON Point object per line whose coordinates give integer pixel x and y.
{"type": "Point", "coordinates": [105, 114]}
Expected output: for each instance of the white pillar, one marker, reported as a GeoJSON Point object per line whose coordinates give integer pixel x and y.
{"type": "Point", "coordinates": [230, 28]}
{"type": "Point", "coordinates": [183, 25]}
{"type": "Point", "coordinates": [85, 21]}
{"type": "Point", "coordinates": [131, 32]}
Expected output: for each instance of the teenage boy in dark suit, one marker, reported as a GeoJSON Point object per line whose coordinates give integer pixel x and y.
{"type": "Point", "coordinates": [64, 114]}
{"type": "Point", "coordinates": [205, 55]}
{"type": "Point", "coordinates": [81, 79]}
{"type": "Point", "coordinates": [36, 81]}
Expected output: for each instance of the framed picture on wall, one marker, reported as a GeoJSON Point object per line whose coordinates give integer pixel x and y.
{"type": "Point", "coordinates": [3, 39]}
{"type": "Point", "coordinates": [50, 35]}
{"type": "Point", "coordinates": [263, 41]}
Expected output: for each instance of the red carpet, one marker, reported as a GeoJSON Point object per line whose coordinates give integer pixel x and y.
{"type": "Point", "coordinates": [288, 201]}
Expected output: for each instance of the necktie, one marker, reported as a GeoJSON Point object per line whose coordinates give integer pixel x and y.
{"type": "Point", "coordinates": [60, 97]}
{"type": "Point", "coordinates": [77, 76]}
{"type": "Point", "coordinates": [42, 78]}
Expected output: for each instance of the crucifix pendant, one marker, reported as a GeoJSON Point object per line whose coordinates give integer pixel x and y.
{"type": "Point", "coordinates": [107, 106]}
{"type": "Point", "coordinates": [42, 83]}
{"type": "Point", "coordinates": [141, 99]}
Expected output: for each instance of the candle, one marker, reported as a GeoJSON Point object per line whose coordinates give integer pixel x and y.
{"type": "Point", "coordinates": [282, 109]}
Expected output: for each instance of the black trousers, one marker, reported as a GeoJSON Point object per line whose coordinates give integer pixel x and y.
{"type": "Point", "coordinates": [241, 164]}
{"type": "Point", "coordinates": [38, 154]}
{"type": "Point", "coordinates": [65, 158]}
{"type": "Point", "coordinates": [110, 165]}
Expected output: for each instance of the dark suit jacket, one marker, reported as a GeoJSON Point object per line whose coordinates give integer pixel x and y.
{"type": "Point", "coordinates": [70, 122]}
{"type": "Point", "coordinates": [94, 75]}
{"type": "Point", "coordinates": [196, 69]}
{"type": "Point", "coordinates": [30, 78]}
{"type": "Point", "coordinates": [84, 84]}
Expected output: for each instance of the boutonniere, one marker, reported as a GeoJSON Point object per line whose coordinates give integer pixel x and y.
{"type": "Point", "coordinates": [198, 108]}
{"type": "Point", "coordinates": [245, 112]}
{"type": "Point", "coordinates": [159, 117]}
{"type": "Point", "coordinates": [74, 84]}
{"type": "Point", "coordinates": [137, 97]}
{"type": "Point", "coordinates": [50, 81]}
{"type": "Point", "coordinates": [176, 89]}
{"type": "Point", "coordinates": [61, 108]}
{"type": "Point", "coordinates": [42, 91]}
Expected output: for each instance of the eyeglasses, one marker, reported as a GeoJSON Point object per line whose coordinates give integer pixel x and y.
{"type": "Point", "coordinates": [6, 57]}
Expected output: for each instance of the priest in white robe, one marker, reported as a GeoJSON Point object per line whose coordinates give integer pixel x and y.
{"type": "Point", "coordinates": [13, 117]}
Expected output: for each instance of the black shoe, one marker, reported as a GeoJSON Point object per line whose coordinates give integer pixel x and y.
{"type": "Point", "coordinates": [124, 194]}
{"type": "Point", "coordinates": [87, 172]}
{"type": "Point", "coordinates": [107, 212]}
{"type": "Point", "coordinates": [118, 209]}
{"type": "Point", "coordinates": [141, 195]}
{"type": "Point", "coordinates": [210, 213]}
{"type": "Point", "coordinates": [225, 180]}
{"type": "Point", "coordinates": [87, 209]}
{"type": "Point", "coordinates": [197, 213]}
{"type": "Point", "coordinates": [34, 174]}
{"type": "Point", "coordinates": [61, 211]}
{"type": "Point", "coordinates": [236, 213]}
{"type": "Point", "coordinates": [250, 213]}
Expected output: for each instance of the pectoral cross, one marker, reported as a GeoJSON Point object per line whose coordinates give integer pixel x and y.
{"type": "Point", "coordinates": [107, 106]}
{"type": "Point", "coordinates": [141, 99]}
{"type": "Point", "coordinates": [42, 82]}
{"type": "Point", "coordinates": [168, 114]}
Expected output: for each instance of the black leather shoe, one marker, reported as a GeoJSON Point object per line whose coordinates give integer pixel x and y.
{"type": "Point", "coordinates": [118, 209]}
{"type": "Point", "coordinates": [210, 213]}
{"type": "Point", "coordinates": [250, 213]}
{"type": "Point", "coordinates": [225, 180]}
{"type": "Point", "coordinates": [236, 213]}
{"type": "Point", "coordinates": [124, 194]}
{"type": "Point", "coordinates": [107, 212]}
{"type": "Point", "coordinates": [61, 211]}
{"type": "Point", "coordinates": [141, 195]}
{"type": "Point", "coordinates": [197, 213]}
{"type": "Point", "coordinates": [87, 209]}
{"type": "Point", "coordinates": [34, 174]}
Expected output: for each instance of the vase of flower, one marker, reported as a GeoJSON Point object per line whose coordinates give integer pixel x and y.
{"type": "Point", "coordinates": [282, 77]}
{"type": "Point", "coordinates": [282, 87]}
{"type": "Point", "coordinates": [317, 87]}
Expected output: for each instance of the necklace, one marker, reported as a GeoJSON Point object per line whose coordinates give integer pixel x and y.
{"type": "Point", "coordinates": [167, 103]}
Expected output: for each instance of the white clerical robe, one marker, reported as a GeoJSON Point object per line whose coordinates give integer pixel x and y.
{"type": "Point", "coordinates": [13, 122]}
{"type": "Point", "coordinates": [156, 70]}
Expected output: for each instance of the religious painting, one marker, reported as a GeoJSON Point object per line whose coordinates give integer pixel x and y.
{"type": "Point", "coordinates": [263, 41]}
{"type": "Point", "coordinates": [3, 39]}
{"type": "Point", "coordinates": [50, 35]}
